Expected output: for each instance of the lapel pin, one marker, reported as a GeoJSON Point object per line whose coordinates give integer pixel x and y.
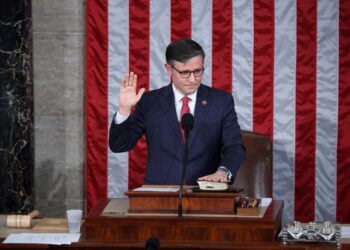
{"type": "Point", "coordinates": [204, 102]}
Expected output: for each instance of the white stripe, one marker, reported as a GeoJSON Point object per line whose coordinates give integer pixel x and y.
{"type": "Point", "coordinates": [159, 39]}
{"type": "Point", "coordinates": [284, 105]}
{"type": "Point", "coordinates": [202, 33]}
{"type": "Point", "coordinates": [327, 110]}
{"type": "Point", "coordinates": [118, 61]}
{"type": "Point", "coordinates": [242, 62]}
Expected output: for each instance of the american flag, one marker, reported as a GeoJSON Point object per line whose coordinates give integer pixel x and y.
{"type": "Point", "coordinates": [286, 63]}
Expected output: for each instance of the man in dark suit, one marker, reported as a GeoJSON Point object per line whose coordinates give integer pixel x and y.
{"type": "Point", "coordinates": [215, 148]}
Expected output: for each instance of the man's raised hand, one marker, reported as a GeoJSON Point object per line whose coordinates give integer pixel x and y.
{"type": "Point", "coordinates": [127, 95]}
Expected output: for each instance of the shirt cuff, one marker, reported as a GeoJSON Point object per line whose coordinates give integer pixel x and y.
{"type": "Point", "coordinates": [119, 118]}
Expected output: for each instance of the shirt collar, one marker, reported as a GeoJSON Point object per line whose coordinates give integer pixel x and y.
{"type": "Point", "coordinates": [178, 95]}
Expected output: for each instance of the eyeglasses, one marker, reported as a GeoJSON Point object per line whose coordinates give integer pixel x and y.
{"type": "Point", "coordinates": [187, 73]}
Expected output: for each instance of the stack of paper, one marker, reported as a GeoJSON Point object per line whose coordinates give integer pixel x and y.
{"type": "Point", "coordinates": [43, 238]}
{"type": "Point", "coordinates": [345, 232]}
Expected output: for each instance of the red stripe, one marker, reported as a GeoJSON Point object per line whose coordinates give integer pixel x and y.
{"type": "Point", "coordinates": [222, 45]}
{"type": "Point", "coordinates": [139, 63]}
{"type": "Point", "coordinates": [305, 110]}
{"type": "Point", "coordinates": [263, 70]}
{"type": "Point", "coordinates": [180, 19]}
{"type": "Point", "coordinates": [96, 100]}
{"type": "Point", "coordinates": [343, 149]}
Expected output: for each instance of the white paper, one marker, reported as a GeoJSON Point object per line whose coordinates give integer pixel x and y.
{"type": "Point", "coordinates": [157, 189]}
{"type": "Point", "coordinates": [43, 238]}
{"type": "Point", "coordinates": [265, 202]}
{"type": "Point", "coordinates": [345, 232]}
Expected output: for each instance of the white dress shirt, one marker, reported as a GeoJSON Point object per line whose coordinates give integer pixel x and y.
{"type": "Point", "coordinates": [178, 102]}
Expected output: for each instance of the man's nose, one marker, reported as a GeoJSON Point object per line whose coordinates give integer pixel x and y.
{"type": "Point", "coordinates": [192, 78]}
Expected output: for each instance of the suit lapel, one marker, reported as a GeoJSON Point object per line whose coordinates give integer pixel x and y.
{"type": "Point", "coordinates": [167, 102]}
{"type": "Point", "coordinates": [201, 110]}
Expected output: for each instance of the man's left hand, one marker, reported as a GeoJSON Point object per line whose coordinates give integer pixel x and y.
{"type": "Point", "coordinates": [218, 176]}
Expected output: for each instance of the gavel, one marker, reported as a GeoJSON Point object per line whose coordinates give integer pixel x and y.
{"type": "Point", "coordinates": [21, 221]}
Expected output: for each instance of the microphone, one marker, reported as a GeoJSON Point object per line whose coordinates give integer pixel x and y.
{"type": "Point", "coordinates": [187, 123]}
{"type": "Point", "coordinates": [152, 244]}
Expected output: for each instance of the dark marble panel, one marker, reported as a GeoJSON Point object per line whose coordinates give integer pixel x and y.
{"type": "Point", "coordinates": [16, 107]}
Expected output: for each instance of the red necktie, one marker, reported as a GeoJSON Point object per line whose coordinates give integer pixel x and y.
{"type": "Point", "coordinates": [185, 109]}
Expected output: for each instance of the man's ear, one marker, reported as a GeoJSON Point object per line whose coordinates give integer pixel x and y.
{"type": "Point", "coordinates": [168, 69]}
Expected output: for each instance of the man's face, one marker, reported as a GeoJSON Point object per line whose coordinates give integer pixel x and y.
{"type": "Point", "coordinates": [187, 76]}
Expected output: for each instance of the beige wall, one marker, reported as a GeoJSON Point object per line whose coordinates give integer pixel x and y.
{"type": "Point", "coordinates": [59, 64]}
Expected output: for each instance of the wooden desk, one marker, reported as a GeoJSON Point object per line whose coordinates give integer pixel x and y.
{"type": "Point", "coordinates": [195, 230]}
{"type": "Point", "coordinates": [130, 243]}
{"type": "Point", "coordinates": [98, 245]}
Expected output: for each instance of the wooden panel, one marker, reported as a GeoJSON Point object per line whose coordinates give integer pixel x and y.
{"type": "Point", "coordinates": [184, 230]}
{"type": "Point", "coordinates": [99, 245]}
{"type": "Point", "coordinates": [193, 202]}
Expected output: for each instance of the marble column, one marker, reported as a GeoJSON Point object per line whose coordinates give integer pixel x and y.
{"type": "Point", "coordinates": [16, 107]}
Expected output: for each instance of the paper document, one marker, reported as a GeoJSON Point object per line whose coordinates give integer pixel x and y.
{"type": "Point", "coordinates": [345, 232]}
{"type": "Point", "coordinates": [156, 189]}
{"type": "Point", "coordinates": [43, 238]}
{"type": "Point", "coordinates": [265, 202]}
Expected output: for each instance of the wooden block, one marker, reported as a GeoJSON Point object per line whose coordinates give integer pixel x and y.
{"type": "Point", "coordinates": [248, 211]}
{"type": "Point", "coordinates": [52, 225]}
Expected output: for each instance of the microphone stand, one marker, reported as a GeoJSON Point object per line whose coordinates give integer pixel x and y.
{"type": "Point", "coordinates": [184, 166]}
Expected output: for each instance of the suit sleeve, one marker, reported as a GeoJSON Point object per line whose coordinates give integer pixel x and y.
{"type": "Point", "coordinates": [232, 150]}
{"type": "Point", "coordinates": [124, 136]}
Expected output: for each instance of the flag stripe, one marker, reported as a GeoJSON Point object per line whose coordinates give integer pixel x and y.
{"type": "Point", "coordinates": [202, 32]}
{"type": "Point", "coordinates": [284, 105]}
{"type": "Point", "coordinates": [118, 66]}
{"type": "Point", "coordinates": [327, 110]}
{"type": "Point", "coordinates": [243, 62]}
{"type": "Point", "coordinates": [180, 19]}
{"type": "Point", "coordinates": [139, 63]}
{"type": "Point", "coordinates": [222, 45]}
{"type": "Point", "coordinates": [343, 149]}
{"type": "Point", "coordinates": [305, 110]}
{"type": "Point", "coordinates": [96, 100]}
{"type": "Point", "coordinates": [159, 40]}
{"type": "Point", "coordinates": [263, 66]}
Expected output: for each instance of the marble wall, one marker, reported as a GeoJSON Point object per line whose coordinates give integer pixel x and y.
{"type": "Point", "coordinates": [59, 63]}
{"type": "Point", "coordinates": [42, 137]}
{"type": "Point", "coordinates": [16, 108]}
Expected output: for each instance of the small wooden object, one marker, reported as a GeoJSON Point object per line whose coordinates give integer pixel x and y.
{"type": "Point", "coordinates": [21, 221]}
{"type": "Point", "coordinates": [52, 225]}
{"type": "Point", "coordinates": [248, 211]}
{"type": "Point", "coordinates": [248, 206]}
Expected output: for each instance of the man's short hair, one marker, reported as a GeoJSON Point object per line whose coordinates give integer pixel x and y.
{"type": "Point", "coordinates": [183, 50]}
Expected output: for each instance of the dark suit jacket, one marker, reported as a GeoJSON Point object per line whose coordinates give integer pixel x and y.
{"type": "Point", "coordinates": [215, 139]}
